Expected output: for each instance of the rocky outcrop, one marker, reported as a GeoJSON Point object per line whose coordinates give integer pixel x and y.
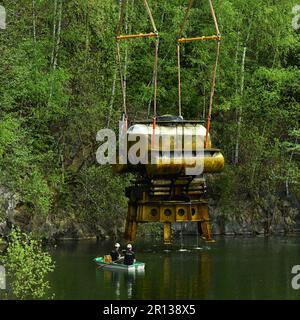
{"type": "Point", "coordinates": [8, 204]}
{"type": "Point", "coordinates": [64, 226]}
{"type": "Point", "coordinates": [276, 217]}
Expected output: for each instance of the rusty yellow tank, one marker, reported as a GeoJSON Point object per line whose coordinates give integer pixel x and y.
{"type": "Point", "coordinates": [172, 147]}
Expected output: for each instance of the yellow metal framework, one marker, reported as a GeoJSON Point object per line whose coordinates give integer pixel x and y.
{"type": "Point", "coordinates": [136, 36]}
{"type": "Point", "coordinates": [204, 38]}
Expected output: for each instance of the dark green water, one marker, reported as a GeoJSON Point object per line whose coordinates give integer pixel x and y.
{"type": "Point", "coordinates": [232, 268]}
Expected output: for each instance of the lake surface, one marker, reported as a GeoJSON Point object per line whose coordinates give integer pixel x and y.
{"type": "Point", "coordinates": [231, 268]}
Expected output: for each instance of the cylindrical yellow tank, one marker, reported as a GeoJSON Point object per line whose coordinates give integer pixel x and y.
{"type": "Point", "coordinates": [170, 148]}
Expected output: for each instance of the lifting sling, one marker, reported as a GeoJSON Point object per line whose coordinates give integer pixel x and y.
{"type": "Point", "coordinates": [182, 40]}
{"type": "Point", "coordinates": [119, 38]}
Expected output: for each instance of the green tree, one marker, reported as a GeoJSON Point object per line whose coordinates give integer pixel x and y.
{"type": "Point", "coordinates": [27, 266]}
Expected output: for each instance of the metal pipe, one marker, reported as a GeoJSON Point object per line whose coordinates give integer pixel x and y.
{"type": "Point", "coordinates": [204, 38]}
{"type": "Point", "coordinates": [135, 36]}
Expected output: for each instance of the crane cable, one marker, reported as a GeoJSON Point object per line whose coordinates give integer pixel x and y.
{"type": "Point", "coordinates": [214, 17]}
{"type": "Point", "coordinates": [150, 16]}
{"type": "Point", "coordinates": [119, 60]}
{"type": "Point", "coordinates": [155, 71]}
{"type": "Point", "coordinates": [187, 13]}
{"type": "Point", "coordinates": [182, 40]}
{"type": "Point", "coordinates": [213, 87]}
{"type": "Point", "coordinates": [211, 101]}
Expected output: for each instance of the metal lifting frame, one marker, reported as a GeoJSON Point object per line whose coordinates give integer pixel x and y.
{"type": "Point", "coordinates": [182, 40]}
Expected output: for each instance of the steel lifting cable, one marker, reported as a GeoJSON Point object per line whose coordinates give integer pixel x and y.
{"type": "Point", "coordinates": [155, 91]}
{"type": "Point", "coordinates": [155, 69]}
{"type": "Point", "coordinates": [211, 101]}
{"type": "Point", "coordinates": [214, 17]}
{"type": "Point", "coordinates": [204, 38]}
{"type": "Point", "coordinates": [214, 74]}
{"type": "Point", "coordinates": [134, 36]}
{"type": "Point", "coordinates": [119, 61]}
{"type": "Point", "coordinates": [187, 13]}
{"type": "Point", "coordinates": [179, 78]}
{"type": "Point", "coordinates": [150, 16]}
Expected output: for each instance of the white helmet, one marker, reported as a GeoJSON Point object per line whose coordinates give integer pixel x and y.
{"type": "Point", "coordinates": [117, 245]}
{"type": "Point", "coordinates": [129, 246]}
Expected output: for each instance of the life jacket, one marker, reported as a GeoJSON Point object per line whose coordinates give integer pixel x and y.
{"type": "Point", "coordinates": [115, 255]}
{"type": "Point", "coordinates": [129, 257]}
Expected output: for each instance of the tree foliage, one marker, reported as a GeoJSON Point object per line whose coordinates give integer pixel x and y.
{"type": "Point", "coordinates": [27, 266]}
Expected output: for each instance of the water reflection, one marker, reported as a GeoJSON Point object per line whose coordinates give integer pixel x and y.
{"type": "Point", "coordinates": [179, 276]}
{"type": "Point", "coordinates": [193, 275]}
{"type": "Point", "coordinates": [129, 281]}
{"type": "Point", "coordinates": [122, 283]}
{"type": "Point", "coordinates": [233, 268]}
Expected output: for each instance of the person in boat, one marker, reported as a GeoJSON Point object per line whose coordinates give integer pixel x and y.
{"type": "Point", "coordinates": [115, 253]}
{"type": "Point", "coordinates": [129, 256]}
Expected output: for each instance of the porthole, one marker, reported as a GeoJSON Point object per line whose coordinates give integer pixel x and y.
{"type": "Point", "coordinates": [167, 212]}
{"type": "Point", "coordinates": [181, 212]}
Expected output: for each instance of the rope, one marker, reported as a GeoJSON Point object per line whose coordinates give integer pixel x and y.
{"type": "Point", "coordinates": [212, 94]}
{"type": "Point", "coordinates": [150, 16]}
{"type": "Point", "coordinates": [155, 76]}
{"type": "Point", "coordinates": [155, 68]}
{"type": "Point", "coordinates": [119, 60]}
{"type": "Point", "coordinates": [214, 16]}
{"type": "Point", "coordinates": [179, 79]}
{"type": "Point", "coordinates": [122, 15]}
{"type": "Point", "coordinates": [187, 13]}
{"type": "Point", "coordinates": [121, 78]}
{"type": "Point", "coordinates": [213, 87]}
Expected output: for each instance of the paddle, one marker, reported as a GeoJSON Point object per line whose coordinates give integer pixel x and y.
{"type": "Point", "coordinates": [111, 262]}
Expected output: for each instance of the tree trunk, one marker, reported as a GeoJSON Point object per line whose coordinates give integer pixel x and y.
{"type": "Point", "coordinates": [236, 63]}
{"type": "Point", "coordinates": [58, 35]}
{"type": "Point", "coordinates": [237, 145]}
{"type": "Point", "coordinates": [87, 34]}
{"type": "Point", "coordinates": [34, 20]}
{"type": "Point", "coordinates": [287, 188]}
{"type": "Point", "coordinates": [239, 120]}
{"type": "Point", "coordinates": [54, 32]}
{"type": "Point", "coordinates": [56, 41]}
{"type": "Point", "coordinates": [112, 99]}
{"type": "Point", "coordinates": [236, 84]}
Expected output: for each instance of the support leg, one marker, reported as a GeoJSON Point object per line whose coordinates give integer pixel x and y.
{"type": "Point", "coordinates": [131, 224]}
{"type": "Point", "coordinates": [206, 231]}
{"type": "Point", "coordinates": [127, 233]}
{"type": "Point", "coordinates": [133, 231]}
